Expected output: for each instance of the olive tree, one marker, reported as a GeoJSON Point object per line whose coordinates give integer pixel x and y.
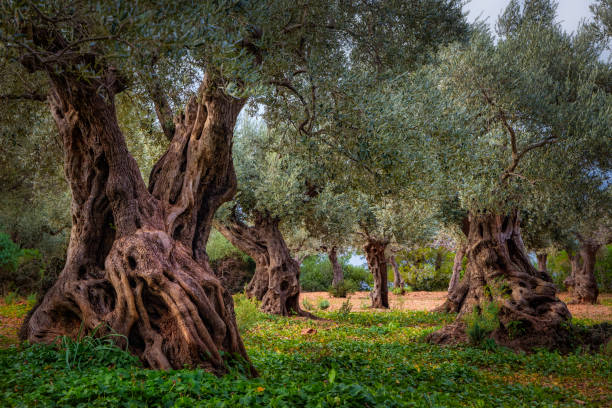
{"type": "Point", "coordinates": [514, 122]}
{"type": "Point", "coordinates": [133, 244]}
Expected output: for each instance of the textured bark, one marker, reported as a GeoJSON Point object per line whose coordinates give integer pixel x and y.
{"type": "Point", "coordinates": [500, 271]}
{"type": "Point", "coordinates": [276, 282]}
{"type": "Point", "coordinates": [457, 266]}
{"type": "Point", "coordinates": [136, 264]}
{"type": "Point", "coordinates": [397, 277]}
{"type": "Point", "coordinates": [542, 261]}
{"type": "Point", "coordinates": [581, 283]}
{"type": "Point", "coordinates": [332, 253]}
{"type": "Point", "coordinates": [377, 263]}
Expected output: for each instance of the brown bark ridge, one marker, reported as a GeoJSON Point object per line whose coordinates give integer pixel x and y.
{"type": "Point", "coordinates": [398, 282]}
{"type": "Point", "coordinates": [581, 283]}
{"type": "Point", "coordinates": [456, 292]}
{"type": "Point", "coordinates": [136, 264]}
{"type": "Point", "coordinates": [499, 270]}
{"type": "Point", "coordinates": [276, 282]}
{"type": "Point", "coordinates": [457, 266]}
{"type": "Point", "coordinates": [377, 263]}
{"type": "Point", "coordinates": [542, 261]}
{"type": "Point", "coordinates": [338, 275]}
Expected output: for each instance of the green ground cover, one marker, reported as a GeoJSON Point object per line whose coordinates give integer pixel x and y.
{"type": "Point", "coordinates": [352, 359]}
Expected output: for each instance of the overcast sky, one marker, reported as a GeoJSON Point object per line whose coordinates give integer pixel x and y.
{"type": "Point", "coordinates": [570, 12]}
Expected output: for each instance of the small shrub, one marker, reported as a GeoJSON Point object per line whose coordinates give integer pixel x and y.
{"type": "Point", "coordinates": [345, 308]}
{"type": "Point", "coordinates": [307, 305]}
{"type": "Point", "coordinates": [247, 312]}
{"type": "Point", "coordinates": [90, 351]}
{"type": "Point", "coordinates": [218, 247]}
{"type": "Point", "coordinates": [10, 298]}
{"type": "Point", "coordinates": [515, 328]}
{"type": "Point", "coordinates": [398, 291]}
{"type": "Point", "coordinates": [340, 290]}
{"type": "Point", "coordinates": [31, 299]}
{"type": "Point", "coordinates": [323, 304]}
{"type": "Point", "coordinates": [607, 349]}
{"type": "Point", "coordinates": [482, 322]}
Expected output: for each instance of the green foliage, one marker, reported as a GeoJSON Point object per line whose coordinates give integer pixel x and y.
{"type": "Point", "coordinates": [88, 351]}
{"type": "Point", "coordinates": [307, 305]}
{"type": "Point", "coordinates": [323, 304]}
{"type": "Point", "coordinates": [559, 268]}
{"type": "Point", "coordinates": [247, 312]}
{"type": "Point", "coordinates": [218, 247]}
{"type": "Point", "coordinates": [352, 364]}
{"type": "Point", "coordinates": [345, 308]}
{"type": "Point", "coordinates": [9, 253]}
{"type": "Point", "coordinates": [341, 289]}
{"type": "Point", "coordinates": [426, 268]}
{"type": "Point", "coordinates": [603, 269]}
{"type": "Point", "coordinates": [398, 291]}
{"type": "Point", "coordinates": [31, 299]}
{"type": "Point", "coordinates": [482, 322]}
{"type": "Point", "coordinates": [10, 298]}
{"type": "Point", "coordinates": [21, 269]}
{"type": "Point", "coordinates": [316, 274]}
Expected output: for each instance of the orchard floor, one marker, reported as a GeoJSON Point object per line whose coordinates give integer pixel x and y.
{"type": "Point", "coordinates": [355, 358]}
{"type": "Point", "coordinates": [427, 301]}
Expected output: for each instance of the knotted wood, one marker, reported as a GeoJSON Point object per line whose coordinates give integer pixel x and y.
{"type": "Point", "coordinates": [499, 270]}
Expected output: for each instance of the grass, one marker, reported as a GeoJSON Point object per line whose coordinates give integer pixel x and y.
{"type": "Point", "coordinates": [355, 359]}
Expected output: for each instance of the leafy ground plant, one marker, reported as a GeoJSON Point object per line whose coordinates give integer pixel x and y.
{"type": "Point", "coordinates": [359, 359]}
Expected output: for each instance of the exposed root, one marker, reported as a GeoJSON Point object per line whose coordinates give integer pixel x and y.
{"type": "Point", "coordinates": [173, 312]}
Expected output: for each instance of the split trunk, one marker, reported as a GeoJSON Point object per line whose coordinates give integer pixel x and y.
{"type": "Point", "coordinates": [377, 263]}
{"type": "Point", "coordinates": [136, 264]}
{"type": "Point", "coordinates": [499, 271]}
{"type": "Point", "coordinates": [276, 282]}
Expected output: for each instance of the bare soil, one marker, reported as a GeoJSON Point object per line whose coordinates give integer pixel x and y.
{"type": "Point", "coordinates": [427, 301]}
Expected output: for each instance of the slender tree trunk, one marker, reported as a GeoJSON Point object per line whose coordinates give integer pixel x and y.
{"type": "Point", "coordinates": [575, 264]}
{"type": "Point", "coordinates": [582, 283]}
{"type": "Point", "coordinates": [500, 271]}
{"type": "Point", "coordinates": [377, 263]}
{"type": "Point", "coordinates": [336, 267]}
{"type": "Point", "coordinates": [438, 261]}
{"type": "Point", "coordinates": [457, 266]}
{"type": "Point", "coordinates": [276, 282]}
{"type": "Point", "coordinates": [542, 261]}
{"type": "Point", "coordinates": [397, 277]}
{"type": "Point", "coordinates": [136, 264]}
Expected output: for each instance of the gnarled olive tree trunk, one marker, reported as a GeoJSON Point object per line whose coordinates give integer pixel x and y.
{"type": "Point", "coordinates": [338, 276]}
{"type": "Point", "coordinates": [581, 283]}
{"type": "Point", "coordinates": [136, 264]}
{"type": "Point", "coordinates": [499, 270]}
{"type": "Point", "coordinates": [377, 263]}
{"type": "Point", "coordinates": [276, 282]}
{"type": "Point", "coordinates": [397, 277]}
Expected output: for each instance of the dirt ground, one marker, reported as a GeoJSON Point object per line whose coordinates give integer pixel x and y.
{"type": "Point", "coordinates": [429, 300]}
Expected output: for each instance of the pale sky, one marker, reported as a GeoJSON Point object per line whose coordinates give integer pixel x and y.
{"type": "Point", "coordinates": [570, 12]}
